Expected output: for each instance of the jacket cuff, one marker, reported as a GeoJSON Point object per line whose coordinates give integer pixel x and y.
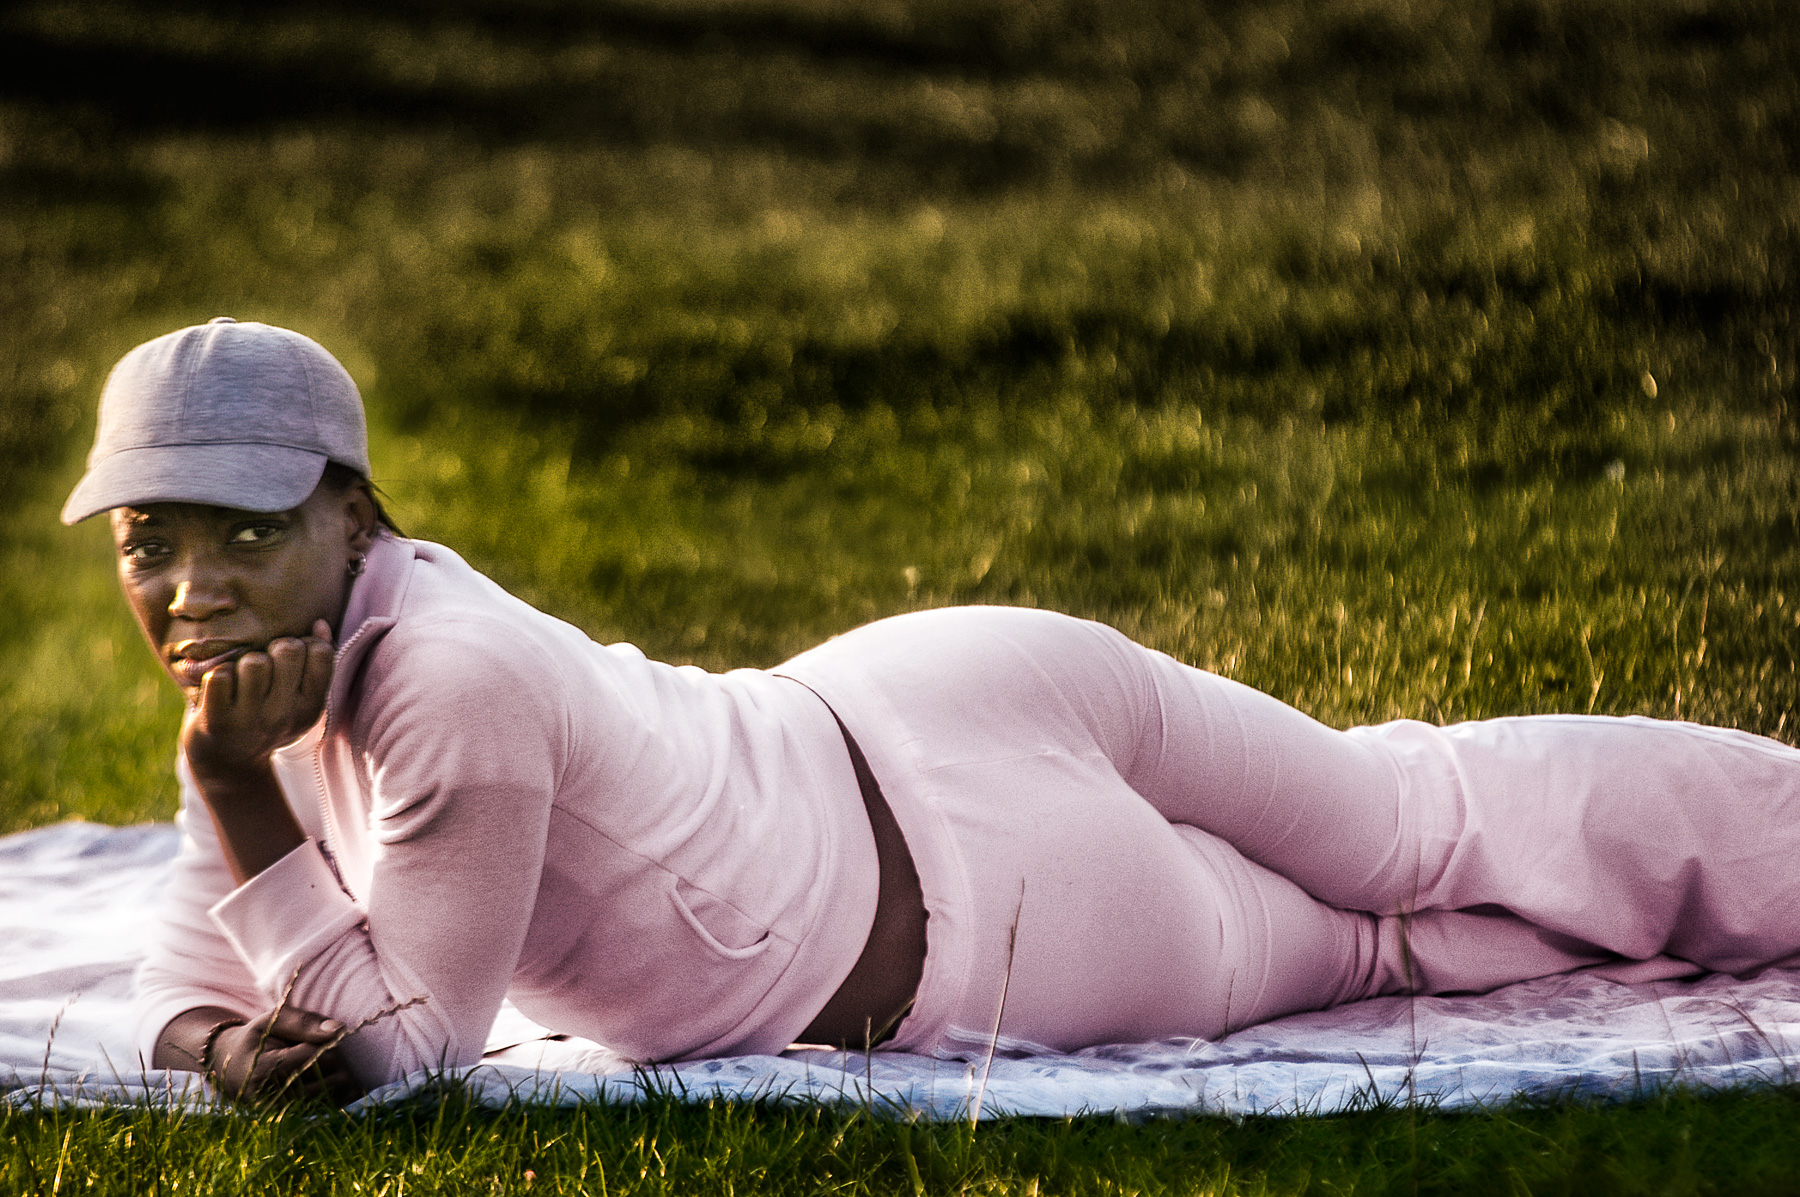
{"type": "Point", "coordinates": [285, 915]}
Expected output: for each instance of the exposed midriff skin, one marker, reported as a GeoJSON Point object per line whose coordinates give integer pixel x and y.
{"type": "Point", "coordinates": [872, 999]}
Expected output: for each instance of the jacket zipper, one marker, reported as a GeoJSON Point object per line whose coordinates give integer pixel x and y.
{"type": "Point", "coordinates": [333, 831]}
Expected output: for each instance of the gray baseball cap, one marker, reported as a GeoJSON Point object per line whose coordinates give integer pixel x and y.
{"type": "Point", "coordinates": [225, 413]}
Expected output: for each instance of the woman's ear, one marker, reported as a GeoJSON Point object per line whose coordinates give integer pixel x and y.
{"type": "Point", "coordinates": [361, 521]}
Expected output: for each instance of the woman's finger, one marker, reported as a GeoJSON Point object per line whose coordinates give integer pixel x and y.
{"type": "Point", "coordinates": [333, 1082]}
{"type": "Point", "coordinates": [303, 1026]}
{"type": "Point", "coordinates": [333, 1078]}
{"type": "Point", "coordinates": [322, 1076]}
{"type": "Point", "coordinates": [317, 678]}
{"type": "Point", "coordinates": [253, 670]}
{"type": "Point", "coordinates": [262, 1066]}
{"type": "Point", "coordinates": [241, 1056]}
{"type": "Point", "coordinates": [274, 1066]}
{"type": "Point", "coordinates": [218, 690]}
{"type": "Point", "coordinates": [287, 667]}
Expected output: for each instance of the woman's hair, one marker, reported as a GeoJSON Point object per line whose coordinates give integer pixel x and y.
{"type": "Point", "coordinates": [341, 478]}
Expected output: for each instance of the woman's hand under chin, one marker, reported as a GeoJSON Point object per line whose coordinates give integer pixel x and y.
{"type": "Point", "coordinates": [247, 708]}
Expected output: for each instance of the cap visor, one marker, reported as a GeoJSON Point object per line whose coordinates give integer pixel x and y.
{"type": "Point", "coordinates": [248, 477]}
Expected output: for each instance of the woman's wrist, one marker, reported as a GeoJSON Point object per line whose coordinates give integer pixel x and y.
{"type": "Point", "coordinates": [229, 781]}
{"type": "Point", "coordinates": [211, 1042]}
{"type": "Point", "coordinates": [256, 825]}
{"type": "Point", "coordinates": [187, 1039]}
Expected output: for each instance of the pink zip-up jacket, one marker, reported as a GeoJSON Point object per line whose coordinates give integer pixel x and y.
{"type": "Point", "coordinates": [671, 862]}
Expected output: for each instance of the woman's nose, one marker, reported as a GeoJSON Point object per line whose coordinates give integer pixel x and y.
{"type": "Point", "coordinates": [199, 596]}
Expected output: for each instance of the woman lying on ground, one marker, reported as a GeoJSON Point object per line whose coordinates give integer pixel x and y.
{"type": "Point", "coordinates": [407, 795]}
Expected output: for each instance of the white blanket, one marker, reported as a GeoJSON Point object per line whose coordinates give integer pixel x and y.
{"type": "Point", "coordinates": [77, 902]}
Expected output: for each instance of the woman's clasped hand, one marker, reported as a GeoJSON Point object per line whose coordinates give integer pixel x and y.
{"type": "Point", "coordinates": [252, 704]}
{"type": "Point", "coordinates": [283, 1053]}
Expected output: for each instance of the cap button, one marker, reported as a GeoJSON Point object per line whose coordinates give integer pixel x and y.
{"type": "Point", "coordinates": [223, 320]}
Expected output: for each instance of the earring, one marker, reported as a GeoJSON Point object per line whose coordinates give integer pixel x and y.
{"type": "Point", "coordinates": [357, 565]}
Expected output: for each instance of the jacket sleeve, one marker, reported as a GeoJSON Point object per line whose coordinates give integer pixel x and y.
{"type": "Point", "coordinates": [461, 741]}
{"type": "Point", "coordinates": [190, 963]}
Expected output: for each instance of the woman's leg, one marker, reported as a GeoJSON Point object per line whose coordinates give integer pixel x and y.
{"type": "Point", "coordinates": [1329, 810]}
{"type": "Point", "coordinates": [1323, 808]}
{"type": "Point", "coordinates": [1094, 920]}
{"type": "Point", "coordinates": [1065, 910]}
{"type": "Point", "coordinates": [1287, 826]}
{"type": "Point", "coordinates": [1639, 837]}
{"type": "Point", "coordinates": [1117, 846]}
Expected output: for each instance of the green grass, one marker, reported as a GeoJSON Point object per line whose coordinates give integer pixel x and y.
{"type": "Point", "coordinates": [1736, 1143]}
{"type": "Point", "coordinates": [1340, 566]}
{"type": "Point", "coordinates": [1428, 360]}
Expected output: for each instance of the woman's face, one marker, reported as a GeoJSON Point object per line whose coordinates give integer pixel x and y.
{"type": "Point", "coordinates": [208, 584]}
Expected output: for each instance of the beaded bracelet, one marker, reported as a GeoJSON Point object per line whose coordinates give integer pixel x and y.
{"type": "Point", "coordinates": [212, 1038]}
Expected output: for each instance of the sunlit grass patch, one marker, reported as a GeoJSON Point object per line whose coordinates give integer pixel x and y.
{"type": "Point", "coordinates": [1739, 1142]}
{"type": "Point", "coordinates": [1346, 567]}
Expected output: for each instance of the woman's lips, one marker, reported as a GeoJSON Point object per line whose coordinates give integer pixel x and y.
{"type": "Point", "coordinates": [189, 672]}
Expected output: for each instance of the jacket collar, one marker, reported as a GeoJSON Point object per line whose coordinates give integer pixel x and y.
{"type": "Point", "coordinates": [373, 608]}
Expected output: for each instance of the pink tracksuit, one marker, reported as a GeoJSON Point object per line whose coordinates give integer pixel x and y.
{"type": "Point", "coordinates": [1112, 846]}
{"type": "Point", "coordinates": [1116, 847]}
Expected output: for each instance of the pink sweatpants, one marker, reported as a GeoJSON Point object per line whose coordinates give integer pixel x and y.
{"type": "Point", "coordinates": [1115, 847]}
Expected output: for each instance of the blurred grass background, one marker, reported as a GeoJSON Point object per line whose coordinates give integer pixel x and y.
{"type": "Point", "coordinates": [1398, 358]}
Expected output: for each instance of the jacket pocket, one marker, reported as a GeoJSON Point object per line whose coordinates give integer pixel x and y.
{"type": "Point", "coordinates": [720, 925]}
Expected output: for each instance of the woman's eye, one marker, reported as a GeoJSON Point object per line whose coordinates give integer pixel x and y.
{"type": "Point", "coordinates": [144, 552]}
{"type": "Point", "coordinates": [251, 533]}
